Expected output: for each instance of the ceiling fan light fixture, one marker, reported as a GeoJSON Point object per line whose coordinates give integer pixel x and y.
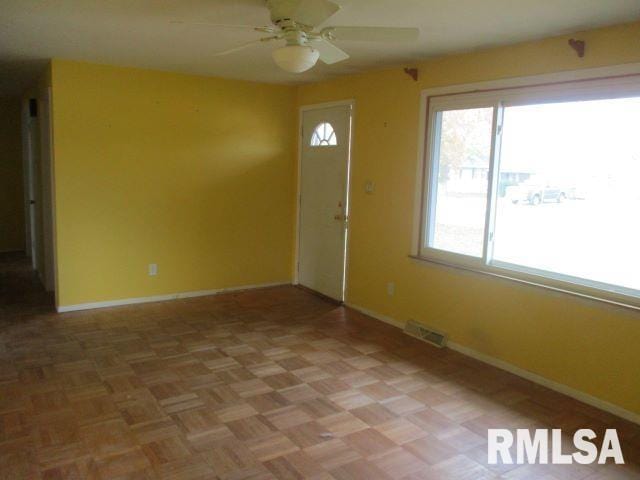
{"type": "Point", "coordinates": [295, 58]}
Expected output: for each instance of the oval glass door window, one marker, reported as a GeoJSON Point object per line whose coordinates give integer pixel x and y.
{"type": "Point", "coordinates": [324, 136]}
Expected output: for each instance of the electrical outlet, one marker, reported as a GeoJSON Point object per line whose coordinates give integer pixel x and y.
{"type": "Point", "coordinates": [153, 269]}
{"type": "Point", "coordinates": [391, 289]}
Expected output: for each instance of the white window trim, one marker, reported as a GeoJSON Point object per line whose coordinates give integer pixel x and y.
{"type": "Point", "coordinates": [624, 80]}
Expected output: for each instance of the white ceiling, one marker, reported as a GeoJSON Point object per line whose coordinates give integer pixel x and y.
{"type": "Point", "coordinates": [139, 33]}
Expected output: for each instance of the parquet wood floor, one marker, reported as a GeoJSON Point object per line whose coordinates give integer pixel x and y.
{"type": "Point", "coordinates": [272, 383]}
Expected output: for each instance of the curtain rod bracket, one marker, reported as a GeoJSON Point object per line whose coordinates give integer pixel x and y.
{"type": "Point", "coordinates": [578, 46]}
{"type": "Point", "coordinates": [412, 72]}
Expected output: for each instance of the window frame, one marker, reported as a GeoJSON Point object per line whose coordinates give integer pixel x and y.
{"type": "Point", "coordinates": [572, 86]}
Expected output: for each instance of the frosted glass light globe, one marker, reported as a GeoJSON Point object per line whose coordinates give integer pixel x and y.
{"type": "Point", "coordinates": [295, 58]}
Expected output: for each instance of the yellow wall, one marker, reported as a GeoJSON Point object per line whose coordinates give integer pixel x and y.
{"type": "Point", "coordinates": [11, 179]}
{"type": "Point", "coordinates": [192, 173]}
{"type": "Point", "coordinates": [588, 346]}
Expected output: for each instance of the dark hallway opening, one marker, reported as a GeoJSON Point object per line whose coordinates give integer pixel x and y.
{"type": "Point", "coordinates": [21, 292]}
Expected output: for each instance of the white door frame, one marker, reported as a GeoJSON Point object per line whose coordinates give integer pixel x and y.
{"type": "Point", "coordinates": [24, 131]}
{"type": "Point", "coordinates": [301, 110]}
{"type": "Point", "coordinates": [48, 202]}
{"type": "Point", "coordinates": [32, 227]}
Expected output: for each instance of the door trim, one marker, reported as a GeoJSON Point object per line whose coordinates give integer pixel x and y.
{"type": "Point", "coordinates": [30, 187]}
{"type": "Point", "coordinates": [52, 195]}
{"type": "Point", "coordinates": [301, 110]}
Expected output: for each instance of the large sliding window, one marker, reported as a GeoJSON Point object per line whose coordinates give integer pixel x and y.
{"type": "Point", "coordinates": [540, 184]}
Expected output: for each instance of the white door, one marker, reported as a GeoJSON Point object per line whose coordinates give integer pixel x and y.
{"type": "Point", "coordinates": [324, 175]}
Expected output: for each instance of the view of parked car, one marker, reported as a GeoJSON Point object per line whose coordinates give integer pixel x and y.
{"type": "Point", "coordinates": [534, 192]}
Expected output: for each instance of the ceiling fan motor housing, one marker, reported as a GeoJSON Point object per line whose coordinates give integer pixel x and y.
{"type": "Point", "coordinates": [295, 37]}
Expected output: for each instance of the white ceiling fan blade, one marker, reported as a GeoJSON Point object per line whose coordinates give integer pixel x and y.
{"type": "Point", "coordinates": [314, 12]}
{"type": "Point", "coordinates": [245, 45]}
{"type": "Point", "coordinates": [329, 53]}
{"type": "Point", "coordinates": [371, 34]}
{"type": "Point", "coordinates": [266, 29]}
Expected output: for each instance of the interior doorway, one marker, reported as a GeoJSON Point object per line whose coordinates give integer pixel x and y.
{"type": "Point", "coordinates": [39, 195]}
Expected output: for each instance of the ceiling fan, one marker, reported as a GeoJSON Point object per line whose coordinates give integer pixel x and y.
{"type": "Point", "coordinates": [295, 22]}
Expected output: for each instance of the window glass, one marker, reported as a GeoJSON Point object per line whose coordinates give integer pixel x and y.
{"type": "Point", "coordinates": [460, 183]}
{"type": "Point", "coordinates": [569, 190]}
{"type": "Point", "coordinates": [324, 136]}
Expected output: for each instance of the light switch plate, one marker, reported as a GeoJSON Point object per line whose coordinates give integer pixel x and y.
{"type": "Point", "coordinates": [369, 187]}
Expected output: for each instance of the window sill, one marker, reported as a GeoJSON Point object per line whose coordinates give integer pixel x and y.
{"type": "Point", "coordinates": [575, 290]}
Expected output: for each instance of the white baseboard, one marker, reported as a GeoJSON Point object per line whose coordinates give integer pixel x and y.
{"type": "Point", "coordinates": [161, 298]}
{"type": "Point", "coordinates": [376, 315]}
{"type": "Point", "coordinates": [521, 372]}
